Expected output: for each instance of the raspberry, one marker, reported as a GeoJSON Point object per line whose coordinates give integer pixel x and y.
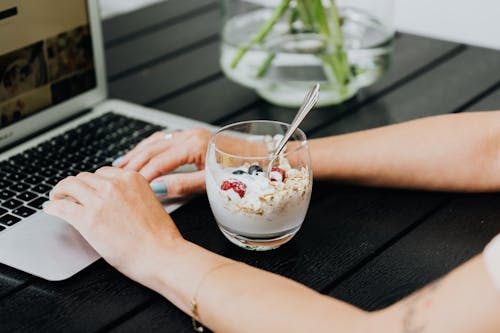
{"type": "Point", "coordinates": [277, 175]}
{"type": "Point", "coordinates": [234, 185]}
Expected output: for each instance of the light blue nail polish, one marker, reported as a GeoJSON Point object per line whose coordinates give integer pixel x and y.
{"type": "Point", "coordinates": [159, 188]}
{"type": "Point", "coordinates": [45, 203]}
{"type": "Point", "coordinates": [117, 161]}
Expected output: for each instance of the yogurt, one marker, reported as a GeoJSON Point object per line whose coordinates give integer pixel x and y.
{"type": "Point", "coordinates": [255, 206]}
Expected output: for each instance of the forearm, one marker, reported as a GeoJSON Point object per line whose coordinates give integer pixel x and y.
{"type": "Point", "coordinates": [464, 301]}
{"type": "Point", "coordinates": [452, 152]}
{"type": "Point", "coordinates": [240, 298]}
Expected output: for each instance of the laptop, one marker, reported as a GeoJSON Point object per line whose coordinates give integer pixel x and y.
{"type": "Point", "coordinates": [56, 121]}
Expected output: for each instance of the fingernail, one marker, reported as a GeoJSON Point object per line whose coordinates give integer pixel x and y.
{"type": "Point", "coordinates": [159, 188]}
{"type": "Point", "coordinates": [118, 161]}
{"type": "Point", "coordinates": [45, 203]}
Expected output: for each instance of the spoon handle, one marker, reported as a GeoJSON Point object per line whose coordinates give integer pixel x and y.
{"type": "Point", "coordinates": [309, 102]}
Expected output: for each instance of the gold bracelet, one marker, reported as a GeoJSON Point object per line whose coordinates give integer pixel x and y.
{"type": "Point", "coordinates": [195, 316]}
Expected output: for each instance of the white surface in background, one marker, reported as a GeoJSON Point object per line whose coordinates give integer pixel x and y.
{"type": "Point", "coordinates": [473, 22]}
{"type": "Point", "coordinates": [111, 8]}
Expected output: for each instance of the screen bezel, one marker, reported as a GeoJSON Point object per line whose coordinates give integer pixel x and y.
{"type": "Point", "coordinates": [57, 113]}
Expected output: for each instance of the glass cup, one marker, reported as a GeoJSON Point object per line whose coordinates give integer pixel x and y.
{"type": "Point", "coordinates": [253, 209]}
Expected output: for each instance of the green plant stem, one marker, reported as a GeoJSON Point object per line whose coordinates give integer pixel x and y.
{"type": "Point", "coordinates": [339, 39]}
{"type": "Point", "coordinates": [336, 62]}
{"type": "Point", "coordinates": [262, 33]}
{"type": "Point", "coordinates": [303, 6]}
{"type": "Point", "coordinates": [314, 16]}
{"type": "Point", "coordinates": [265, 66]}
{"type": "Point", "coordinates": [337, 24]}
{"type": "Point", "coordinates": [293, 17]}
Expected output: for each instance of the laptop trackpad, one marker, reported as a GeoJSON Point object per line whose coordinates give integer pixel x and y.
{"type": "Point", "coordinates": [47, 247]}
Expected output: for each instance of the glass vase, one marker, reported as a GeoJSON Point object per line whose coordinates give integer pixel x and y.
{"type": "Point", "coordinates": [281, 47]}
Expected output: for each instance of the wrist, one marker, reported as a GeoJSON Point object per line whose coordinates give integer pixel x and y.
{"type": "Point", "coordinates": [178, 271]}
{"type": "Point", "coordinates": [162, 258]}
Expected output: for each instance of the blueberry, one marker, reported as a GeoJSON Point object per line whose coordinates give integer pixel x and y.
{"type": "Point", "coordinates": [253, 169]}
{"type": "Point", "coordinates": [238, 172]}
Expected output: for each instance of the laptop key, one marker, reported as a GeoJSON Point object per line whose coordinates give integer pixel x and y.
{"type": "Point", "coordinates": [30, 169]}
{"type": "Point", "coordinates": [27, 196]}
{"type": "Point", "coordinates": [61, 164]}
{"type": "Point", "coordinates": [11, 204]}
{"type": "Point", "coordinates": [19, 187]}
{"type": "Point", "coordinates": [2, 228]}
{"type": "Point", "coordinates": [23, 212]}
{"type": "Point", "coordinates": [82, 166]}
{"type": "Point", "coordinates": [95, 160]}
{"type": "Point", "coordinates": [7, 168]}
{"type": "Point", "coordinates": [3, 211]}
{"type": "Point", "coordinates": [17, 176]}
{"type": "Point", "coordinates": [66, 173]}
{"type": "Point", "coordinates": [4, 183]}
{"type": "Point", "coordinates": [38, 202]}
{"type": "Point", "coordinates": [9, 220]}
{"type": "Point", "coordinates": [52, 181]}
{"type": "Point", "coordinates": [5, 194]}
{"type": "Point", "coordinates": [41, 188]}
{"type": "Point", "coordinates": [33, 180]}
{"type": "Point", "coordinates": [46, 172]}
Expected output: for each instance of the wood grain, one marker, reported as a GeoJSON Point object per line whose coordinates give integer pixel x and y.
{"type": "Point", "coordinates": [145, 50]}
{"type": "Point", "coordinates": [119, 28]}
{"type": "Point", "coordinates": [450, 237]}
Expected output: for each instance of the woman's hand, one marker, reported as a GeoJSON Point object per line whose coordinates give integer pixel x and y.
{"type": "Point", "coordinates": [158, 155]}
{"type": "Point", "coordinates": [118, 214]}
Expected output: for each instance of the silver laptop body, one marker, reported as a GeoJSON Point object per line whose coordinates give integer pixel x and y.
{"type": "Point", "coordinates": [42, 245]}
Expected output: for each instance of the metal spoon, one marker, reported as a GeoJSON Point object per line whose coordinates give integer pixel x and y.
{"type": "Point", "coordinates": [309, 103]}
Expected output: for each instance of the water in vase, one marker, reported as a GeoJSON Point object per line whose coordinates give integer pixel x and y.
{"type": "Point", "coordinates": [285, 65]}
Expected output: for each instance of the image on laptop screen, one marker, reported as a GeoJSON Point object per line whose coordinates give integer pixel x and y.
{"type": "Point", "coordinates": [45, 55]}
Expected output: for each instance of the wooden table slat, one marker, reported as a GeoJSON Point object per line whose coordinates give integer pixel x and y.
{"type": "Point", "coordinates": [122, 27]}
{"type": "Point", "coordinates": [413, 56]}
{"type": "Point", "coordinates": [174, 74]}
{"type": "Point", "coordinates": [456, 233]}
{"type": "Point", "coordinates": [443, 90]}
{"type": "Point", "coordinates": [145, 51]}
{"type": "Point", "coordinates": [11, 279]}
{"type": "Point", "coordinates": [91, 299]}
{"type": "Point", "coordinates": [415, 53]}
{"type": "Point", "coordinates": [215, 100]}
{"type": "Point", "coordinates": [489, 103]}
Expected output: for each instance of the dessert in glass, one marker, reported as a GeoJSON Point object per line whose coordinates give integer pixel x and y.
{"type": "Point", "coordinates": [256, 207]}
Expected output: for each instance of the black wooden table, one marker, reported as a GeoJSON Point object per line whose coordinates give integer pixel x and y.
{"type": "Point", "coordinates": [369, 247]}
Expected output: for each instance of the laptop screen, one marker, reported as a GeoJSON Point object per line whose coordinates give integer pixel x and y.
{"type": "Point", "coordinates": [45, 55]}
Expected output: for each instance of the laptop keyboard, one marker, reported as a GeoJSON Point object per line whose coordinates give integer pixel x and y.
{"type": "Point", "coordinates": [27, 178]}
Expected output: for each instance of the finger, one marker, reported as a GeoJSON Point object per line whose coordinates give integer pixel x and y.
{"type": "Point", "coordinates": [119, 177]}
{"type": "Point", "coordinates": [74, 189]}
{"type": "Point", "coordinates": [67, 210]}
{"type": "Point", "coordinates": [93, 180]}
{"type": "Point", "coordinates": [110, 172]}
{"type": "Point", "coordinates": [179, 184]}
{"type": "Point", "coordinates": [144, 143]}
{"type": "Point", "coordinates": [137, 161]}
{"type": "Point", "coordinates": [162, 163]}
